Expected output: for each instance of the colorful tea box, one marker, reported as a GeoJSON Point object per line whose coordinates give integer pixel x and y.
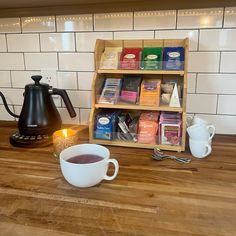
{"type": "Point", "coordinates": [151, 59]}
{"type": "Point", "coordinates": [106, 124]}
{"type": "Point", "coordinates": [148, 127]}
{"type": "Point", "coordinates": [130, 59]}
{"type": "Point", "coordinates": [110, 58]}
{"type": "Point", "coordinates": [173, 58]}
{"type": "Point", "coordinates": [170, 125]}
{"type": "Point", "coordinates": [150, 92]}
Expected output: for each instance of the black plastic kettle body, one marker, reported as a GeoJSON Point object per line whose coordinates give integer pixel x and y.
{"type": "Point", "coordinates": [39, 114]}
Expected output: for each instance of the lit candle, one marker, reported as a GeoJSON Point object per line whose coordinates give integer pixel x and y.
{"type": "Point", "coordinates": [63, 139]}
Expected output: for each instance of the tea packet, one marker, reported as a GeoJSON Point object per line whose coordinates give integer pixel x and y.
{"type": "Point", "coordinates": [150, 92]}
{"type": "Point", "coordinates": [151, 59]}
{"type": "Point", "coordinates": [130, 59]}
{"type": "Point", "coordinates": [173, 58]}
{"type": "Point", "coordinates": [110, 58]}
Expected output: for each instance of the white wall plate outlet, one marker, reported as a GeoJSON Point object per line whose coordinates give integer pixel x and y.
{"type": "Point", "coordinates": [49, 77]}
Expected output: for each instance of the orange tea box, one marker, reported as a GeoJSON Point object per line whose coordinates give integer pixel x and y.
{"type": "Point", "coordinates": [148, 126]}
{"type": "Point", "coordinates": [150, 92]}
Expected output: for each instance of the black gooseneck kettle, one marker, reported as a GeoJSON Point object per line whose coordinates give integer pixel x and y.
{"type": "Point", "coordinates": [39, 115]}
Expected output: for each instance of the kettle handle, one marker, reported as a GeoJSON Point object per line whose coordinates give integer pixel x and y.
{"type": "Point", "coordinates": [66, 100]}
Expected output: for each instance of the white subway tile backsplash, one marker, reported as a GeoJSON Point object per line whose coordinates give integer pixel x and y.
{"type": "Point", "coordinates": [224, 124]}
{"type": "Point", "coordinates": [69, 23]}
{"type": "Point", "coordinates": [11, 61]}
{"type": "Point", "coordinates": [227, 64]}
{"type": "Point", "coordinates": [216, 83]}
{"type": "Point", "coordinates": [113, 21]}
{"type": "Point", "coordinates": [76, 61]}
{"type": "Point", "coordinates": [3, 44]}
{"type": "Point", "coordinates": [10, 25]}
{"type": "Point", "coordinates": [227, 104]}
{"type": "Point", "coordinates": [85, 80]}
{"type": "Point", "coordinates": [13, 96]}
{"type": "Point", "coordinates": [67, 80]}
{"type": "Point", "coordinates": [201, 103]}
{"type": "Point", "coordinates": [57, 42]}
{"type": "Point", "coordinates": [85, 42]}
{"type": "Point", "coordinates": [5, 79]}
{"type": "Point", "coordinates": [38, 61]}
{"type": "Point", "coordinates": [66, 119]}
{"type": "Point", "coordinates": [21, 78]}
{"type": "Point", "coordinates": [134, 35]}
{"type": "Point", "coordinates": [4, 115]}
{"type": "Point", "coordinates": [200, 18]}
{"type": "Point", "coordinates": [217, 40]}
{"type": "Point", "coordinates": [146, 20]}
{"type": "Point", "coordinates": [230, 17]}
{"type": "Point", "coordinates": [38, 24]}
{"type": "Point", "coordinates": [180, 34]}
{"type": "Point", "coordinates": [204, 62]}
{"type": "Point", "coordinates": [23, 42]}
{"type": "Point", "coordinates": [191, 82]}
{"type": "Point", "coordinates": [84, 116]}
{"type": "Point", "coordinates": [80, 99]}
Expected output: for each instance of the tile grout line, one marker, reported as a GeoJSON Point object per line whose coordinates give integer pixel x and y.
{"type": "Point", "coordinates": [223, 19]}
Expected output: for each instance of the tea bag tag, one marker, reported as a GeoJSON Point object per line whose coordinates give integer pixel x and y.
{"type": "Point", "coordinates": [174, 101]}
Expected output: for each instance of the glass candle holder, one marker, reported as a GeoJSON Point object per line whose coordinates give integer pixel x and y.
{"type": "Point", "coordinates": [63, 139]}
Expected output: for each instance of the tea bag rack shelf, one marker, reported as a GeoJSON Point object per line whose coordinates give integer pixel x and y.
{"type": "Point", "coordinates": [101, 74]}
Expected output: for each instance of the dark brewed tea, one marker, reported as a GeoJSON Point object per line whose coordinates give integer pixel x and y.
{"type": "Point", "coordinates": [85, 159]}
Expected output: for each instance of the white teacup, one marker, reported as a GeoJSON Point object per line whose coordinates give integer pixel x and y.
{"type": "Point", "coordinates": [87, 174]}
{"type": "Point", "coordinates": [201, 132]}
{"type": "Point", "coordinates": [199, 149]}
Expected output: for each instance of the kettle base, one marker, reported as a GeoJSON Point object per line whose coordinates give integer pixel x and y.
{"type": "Point", "coordinates": [19, 140]}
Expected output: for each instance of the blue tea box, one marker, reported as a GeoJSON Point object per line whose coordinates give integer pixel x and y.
{"type": "Point", "coordinates": [173, 58]}
{"type": "Point", "coordinates": [106, 124]}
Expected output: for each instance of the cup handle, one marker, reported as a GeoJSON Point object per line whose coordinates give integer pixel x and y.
{"type": "Point", "coordinates": [212, 130]}
{"type": "Point", "coordinates": [209, 149]}
{"type": "Point", "coordinates": [116, 164]}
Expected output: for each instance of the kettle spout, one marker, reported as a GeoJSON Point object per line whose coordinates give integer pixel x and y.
{"type": "Point", "coordinates": [6, 106]}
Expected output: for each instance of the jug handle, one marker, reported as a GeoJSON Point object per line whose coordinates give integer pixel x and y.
{"type": "Point", "coordinates": [66, 100]}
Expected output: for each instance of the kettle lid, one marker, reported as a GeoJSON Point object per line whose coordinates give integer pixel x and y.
{"type": "Point", "coordinates": [36, 79]}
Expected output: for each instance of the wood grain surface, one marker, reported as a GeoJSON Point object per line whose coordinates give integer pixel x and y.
{"type": "Point", "coordinates": [147, 197]}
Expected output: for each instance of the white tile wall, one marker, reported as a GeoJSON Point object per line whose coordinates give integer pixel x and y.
{"type": "Point", "coordinates": [113, 21]}
{"type": "Point", "coordinates": [72, 23]}
{"type": "Point", "coordinates": [85, 80]}
{"type": "Point", "coordinates": [67, 80]}
{"type": "Point", "coordinates": [23, 42]}
{"type": "Point", "coordinates": [86, 41]}
{"type": "Point", "coordinates": [228, 60]}
{"type": "Point", "coordinates": [66, 119]}
{"type": "Point", "coordinates": [204, 61]}
{"type": "Point", "coordinates": [216, 83]}
{"type": "Point", "coordinates": [21, 78]}
{"type": "Point", "coordinates": [217, 40]}
{"type": "Point", "coordinates": [76, 61]}
{"type": "Point", "coordinates": [11, 61]}
{"type": "Point", "coordinates": [5, 79]}
{"type": "Point", "coordinates": [201, 103]}
{"type": "Point", "coordinates": [224, 124]}
{"type": "Point", "coordinates": [57, 42]}
{"type": "Point", "coordinates": [38, 61]}
{"type": "Point", "coordinates": [38, 24]}
{"type": "Point", "coordinates": [227, 105]}
{"type": "Point", "coordinates": [3, 44]}
{"type": "Point", "coordinates": [67, 44]}
{"type": "Point", "coordinates": [155, 20]}
{"type": "Point", "coordinates": [10, 25]}
{"type": "Point", "coordinates": [180, 34]}
{"type": "Point", "coordinates": [230, 17]}
{"type": "Point", "coordinates": [134, 35]}
{"type": "Point", "coordinates": [200, 18]}
{"type": "Point", "coordinates": [4, 114]}
{"type": "Point", "coordinates": [191, 82]}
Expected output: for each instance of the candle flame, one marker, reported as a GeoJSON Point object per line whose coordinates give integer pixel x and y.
{"type": "Point", "coordinates": [64, 132]}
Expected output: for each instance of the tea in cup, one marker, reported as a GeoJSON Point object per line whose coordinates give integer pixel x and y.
{"type": "Point", "coordinates": [86, 165]}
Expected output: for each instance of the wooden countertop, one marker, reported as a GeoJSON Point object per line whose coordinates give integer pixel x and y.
{"type": "Point", "coordinates": [147, 198]}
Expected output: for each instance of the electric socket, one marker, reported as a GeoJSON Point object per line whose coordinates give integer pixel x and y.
{"type": "Point", "coordinates": [49, 77]}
